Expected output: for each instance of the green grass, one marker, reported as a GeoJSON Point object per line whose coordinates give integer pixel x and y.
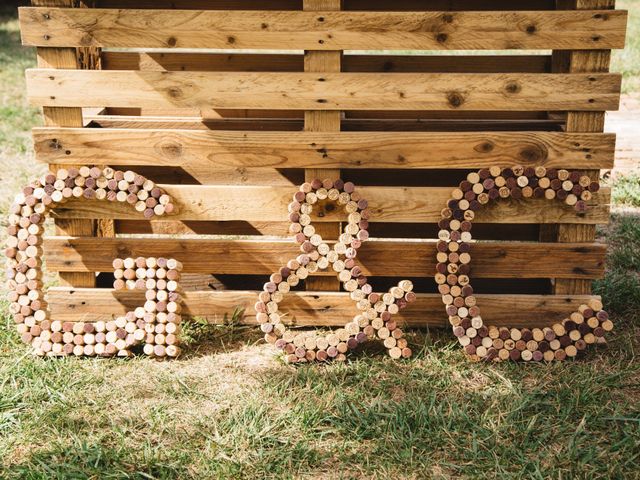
{"type": "Point", "coordinates": [236, 413]}
{"type": "Point", "coordinates": [16, 116]}
{"type": "Point", "coordinates": [621, 287]}
{"type": "Point", "coordinates": [626, 190]}
{"type": "Point", "coordinates": [627, 61]}
{"type": "Point", "coordinates": [229, 409]}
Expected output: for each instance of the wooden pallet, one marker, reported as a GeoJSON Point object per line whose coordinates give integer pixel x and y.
{"type": "Point", "coordinates": [174, 95]}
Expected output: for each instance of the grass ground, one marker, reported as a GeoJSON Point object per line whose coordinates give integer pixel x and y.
{"type": "Point", "coordinates": [229, 409]}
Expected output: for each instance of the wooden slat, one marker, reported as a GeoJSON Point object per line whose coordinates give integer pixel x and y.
{"type": "Point", "coordinates": [382, 5]}
{"type": "Point", "coordinates": [482, 231]}
{"type": "Point", "coordinates": [312, 308]}
{"type": "Point", "coordinates": [417, 5]}
{"type": "Point", "coordinates": [350, 125]}
{"type": "Point", "coordinates": [248, 114]}
{"type": "Point", "coordinates": [195, 123]}
{"type": "Point", "coordinates": [207, 149]}
{"type": "Point", "coordinates": [330, 91]}
{"type": "Point", "coordinates": [206, 4]}
{"type": "Point", "coordinates": [447, 63]}
{"type": "Point", "coordinates": [388, 204]}
{"type": "Point", "coordinates": [204, 62]}
{"type": "Point", "coordinates": [377, 258]}
{"type": "Point", "coordinates": [323, 30]}
{"type": "Point", "coordinates": [320, 62]}
{"type": "Point", "coordinates": [261, 114]}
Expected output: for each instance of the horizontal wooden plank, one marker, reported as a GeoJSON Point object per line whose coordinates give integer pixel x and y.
{"type": "Point", "coordinates": [348, 124]}
{"type": "Point", "coordinates": [312, 308]}
{"type": "Point", "coordinates": [202, 62]}
{"type": "Point", "coordinates": [377, 258]}
{"type": "Point", "coordinates": [207, 4]}
{"type": "Point", "coordinates": [199, 175]}
{"type": "Point", "coordinates": [270, 114]}
{"type": "Point", "coordinates": [419, 5]}
{"type": "Point", "coordinates": [216, 62]}
{"type": "Point", "coordinates": [447, 63]}
{"type": "Point", "coordinates": [377, 5]}
{"type": "Point", "coordinates": [482, 231]}
{"type": "Point", "coordinates": [205, 149]}
{"type": "Point", "coordinates": [331, 91]}
{"type": "Point", "coordinates": [562, 29]}
{"type": "Point", "coordinates": [246, 114]}
{"type": "Point", "coordinates": [387, 204]}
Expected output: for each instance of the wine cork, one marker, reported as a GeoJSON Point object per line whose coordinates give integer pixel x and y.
{"type": "Point", "coordinates": [454, 265]}
{"type": "Point", "coordinates": [25, 239]}
{"type": "Point", "coordinates": [376, 309]}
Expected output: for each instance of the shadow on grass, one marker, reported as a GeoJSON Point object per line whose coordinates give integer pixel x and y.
{"type": "Point", "coordinates": [212, 414]}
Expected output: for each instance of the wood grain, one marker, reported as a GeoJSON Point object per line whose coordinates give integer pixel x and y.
{"type": "Point", "coordinates": [366, 5]}
{"type": "Point", "coordinates": [378, 258]}
{"type": "Point", "coordinates": [330, 91]}
{"type": "Point", "coordinates": [292, 62]}
{"type": "Point", "coordinates": [65, 117]}
{"type": "Point", "coordinates": [321, 62]}
{"type": "Point", "coordinates": [388, 204]}
{"type": "Point", "coordinates": [424, 124]}
{"type": "Point", "coordinates": [581, 62]}
{"type": "Point", "coordinates": [206, 149]}
{"type": "Point", "coordinates": [324, 30]}
{"type": "Point", "coordinates": [383, 5]}
{"type": "Point", "coordinates": [311, 308]}
{"type": "Point", "coordinates": [483, 231]}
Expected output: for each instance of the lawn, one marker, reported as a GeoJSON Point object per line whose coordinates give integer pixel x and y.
{"type": "Point", "coordinates": [229, 408]}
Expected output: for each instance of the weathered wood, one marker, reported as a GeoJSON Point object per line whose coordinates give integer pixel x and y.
{"type": "Point", "coordinates": [65, 117]}
{"type": "Point", "coordinates": [241, 62]}
{"type": "Point", "coordinates": [204, 4]}
{"type": "Point", "coordinates": [454, 5]}
{"type": "Point", "coordinates": [582, 62]}
{"type": "Point", "coordinates": [214, 114]}
{"type": "Point", "coordinates": [207, 149]}
{"type": "Point", "coordinates": [378, 258]}
{"type": "Point", "coordinates": [312, 308]}
{"type": "Point", "coordinates": [348, 124]}
{"type": "Point", "coordinates": [382, 5]}
{"type": "Point", "coordinates": [330, 91]}
{"type": "Point", "coordinates": [324, 30]}
{"type": "Point", "coordinates": [218, 118]}
{"type": "Point", "coordinates": [482, 231]}
{"type": "Point", "coordinates": [323, 121]}
{"type": "Point", "coordinates": [388, 204]}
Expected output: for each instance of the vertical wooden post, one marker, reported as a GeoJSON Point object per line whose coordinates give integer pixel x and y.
{"type": "Point", "coordinates": [322, 121]}
{"type": "Point", "coordinates": [57, 57]}
{"type": "Point", "coordinates": [579, 61]}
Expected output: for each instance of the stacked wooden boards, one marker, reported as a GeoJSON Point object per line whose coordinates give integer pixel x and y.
{"type": "Point", "coordinates": [230, 105]}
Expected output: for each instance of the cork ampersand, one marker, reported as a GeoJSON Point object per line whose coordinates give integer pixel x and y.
{"type": "Point", "coordinates": [375, 310]}
{"type": "Point", "coordinates": [564, 339]}
{"type": "Point", "coordinates": [156, 322]}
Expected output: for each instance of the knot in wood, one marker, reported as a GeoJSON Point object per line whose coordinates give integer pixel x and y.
{"type": "Point", "coordinates": [442, 37]}
{"type": "Point", "coordinates": [455, 99]}
{"type": "Point", "coordinates": [512, 87]}
{"type": "Point", "coordinates": [532, 154]}
{"type": "Point", "coordinates": [485, 147]}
